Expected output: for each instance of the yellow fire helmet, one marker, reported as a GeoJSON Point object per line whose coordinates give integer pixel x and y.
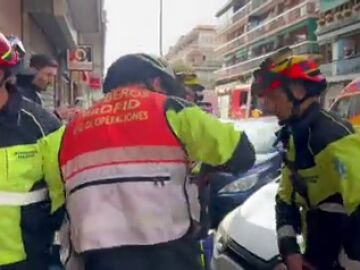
{"type": "Point", "coordinates": [191, 80]}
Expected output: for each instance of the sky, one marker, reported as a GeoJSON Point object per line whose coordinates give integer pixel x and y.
{"type": "Point", "coordinates": [133, 25]}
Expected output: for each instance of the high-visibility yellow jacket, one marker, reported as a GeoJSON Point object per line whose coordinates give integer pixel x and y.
{"type": "Point", "coordinates": [31, 189]}
{"type": "Point", "coordinates": [323, 155]}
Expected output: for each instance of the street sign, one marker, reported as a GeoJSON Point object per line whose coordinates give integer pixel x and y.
{"type": "Point", "coordinates": [80, 58]}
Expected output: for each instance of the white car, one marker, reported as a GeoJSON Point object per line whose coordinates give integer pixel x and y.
{"type": "Point", "coordinates": [261, 131]}
{"type": "Point", "coordinates": [246, 238]}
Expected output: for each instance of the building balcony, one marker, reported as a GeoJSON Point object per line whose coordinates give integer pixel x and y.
{"type": "Point", "coordinates": [243, 13]}
{"type": "Point", "coordinates": [343, 67]}
{"type": "Point", "coordinates": [55, 19]}
{"type": "Point", "coordinates": [87, 15]}
{"type": "Point", "coordinates": [259, 3]}
{"type": "Point", "coordinates": [208, 65]}
{"type": "Point", "coordinates": [329, 30]}
{"type": "Point", "coordinates": [338, 19]}
{"type": "Point", "coordinates": [292, 16]}
{"type": "Point", "coordinates": [246, 67]}
{"type": "Point", "coordinates": [64, 20]}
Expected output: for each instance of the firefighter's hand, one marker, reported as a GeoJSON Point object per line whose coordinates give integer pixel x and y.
{"type": "Point", "coordinates": [294, 262]}
{"type": "Point", "coordinates": [280, 266]}
{"type": "Point", "coordinates": [297, 262]}
{"type": "Point", "coordinates": [308, 266]}
{"type": "Point", "coordinates": [67, 113]}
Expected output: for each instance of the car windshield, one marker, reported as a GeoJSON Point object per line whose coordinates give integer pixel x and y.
{"type": "Point", "coordinates": [347, 107]}
{"type": "Point", "coordinates": [261, 132]}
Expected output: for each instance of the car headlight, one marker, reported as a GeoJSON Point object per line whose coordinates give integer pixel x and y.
{"type": "Point", "coordinates": [241, 184]}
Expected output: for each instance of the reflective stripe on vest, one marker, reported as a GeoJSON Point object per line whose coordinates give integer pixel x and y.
{"type": "Point", "coordinates": [286, 231]}
{"type": "Point", "coordinates": [22, 199]}
{"type": "Point", "coordinates": [122, 156]}
{"type": "Point", "coordinates": [332, 208]}
{"type": "Point", "coordinates": [346, 262]}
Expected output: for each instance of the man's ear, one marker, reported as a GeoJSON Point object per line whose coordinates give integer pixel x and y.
{"type": "Point", "coordinates": [298, 90]}
{"type": "Point", "coordinates": [157, 86]}
{"type": "Point", "coordinates": [156, 83]}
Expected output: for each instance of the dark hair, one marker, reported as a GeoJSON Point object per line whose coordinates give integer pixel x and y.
{"type": "Point", "coordinates": [132, 70]}
{"type": "Point", "coordinates": [40, 61]}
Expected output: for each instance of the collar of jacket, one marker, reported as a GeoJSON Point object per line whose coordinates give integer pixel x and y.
{"type": "Point", "coordinates": [12, 107]}
{"type": "Point", "coordinates": [302, 125]}
{"type": "Point", "coordinates": [25, 81]}
{"type": "Point", "coordinates": [298, 129]}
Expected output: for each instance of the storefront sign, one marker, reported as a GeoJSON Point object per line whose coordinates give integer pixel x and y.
{"type": "Point", "coordinates": [80, 58]}
{"type": "Point", "coordinates": [94, 82]}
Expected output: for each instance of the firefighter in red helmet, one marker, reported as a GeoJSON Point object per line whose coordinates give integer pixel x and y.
{"type": "Point", "coordinates": [319, 193]}
{"type": "Point", "coordinates": [31, 190]}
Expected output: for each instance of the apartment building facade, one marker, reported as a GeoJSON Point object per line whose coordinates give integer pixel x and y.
{"type": "Point", "coordinates": [339, 39]}
{"type": "Point", "coordinates": [196, 50]}
{"type": "Point", "coordinates": [53, 27]}
{"type": "Point", "coordinates": [249, 31]}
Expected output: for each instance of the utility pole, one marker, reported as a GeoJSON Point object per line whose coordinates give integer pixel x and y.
{"type": "Point", "coordinates": [161, 28]}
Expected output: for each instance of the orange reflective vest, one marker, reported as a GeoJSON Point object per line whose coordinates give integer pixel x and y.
{"type": "Point", "coordinates": [124, 172]}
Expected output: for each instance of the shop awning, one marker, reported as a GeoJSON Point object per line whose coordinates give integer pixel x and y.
{"type": "Point", "coordinates": [52, 16]}
{"type": "Point", "coordinates": [87, 15]}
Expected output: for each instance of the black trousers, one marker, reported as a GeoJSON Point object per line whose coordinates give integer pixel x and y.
{"type": "Point", "coordinates": [181, 254]}
{"type": "Point", "coordinates": [40, 263]}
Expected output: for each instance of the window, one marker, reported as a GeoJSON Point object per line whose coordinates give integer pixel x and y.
{"type": "Point", "coordinates": [329, 55]}
{"type": "Point", "coordinates": [348, 107]}
{"type": "Point", "coordinates": [326, 51]}
{"type": "Point", "coordinates": [243, 98]}
{"type": "Point", "coordinates": [342, 107]}
{"type": "Point", "coordinates": [354, 109]}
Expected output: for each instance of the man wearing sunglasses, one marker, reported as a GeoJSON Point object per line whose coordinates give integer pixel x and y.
{"type": "Point", "coordinates": [319, 193]}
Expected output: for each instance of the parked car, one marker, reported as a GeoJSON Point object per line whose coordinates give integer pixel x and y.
{"type": "Point", "coordinates": [347, 104]}
{"type": "Point", "coordinates": [246, 238]}
{"type": "Point", "coordinates": [229, 191]}
{"type": "Point", "coordinates": [261, 132]}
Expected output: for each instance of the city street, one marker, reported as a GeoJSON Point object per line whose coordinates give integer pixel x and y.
{"type": "Point", "coordinates": [179, 135]}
